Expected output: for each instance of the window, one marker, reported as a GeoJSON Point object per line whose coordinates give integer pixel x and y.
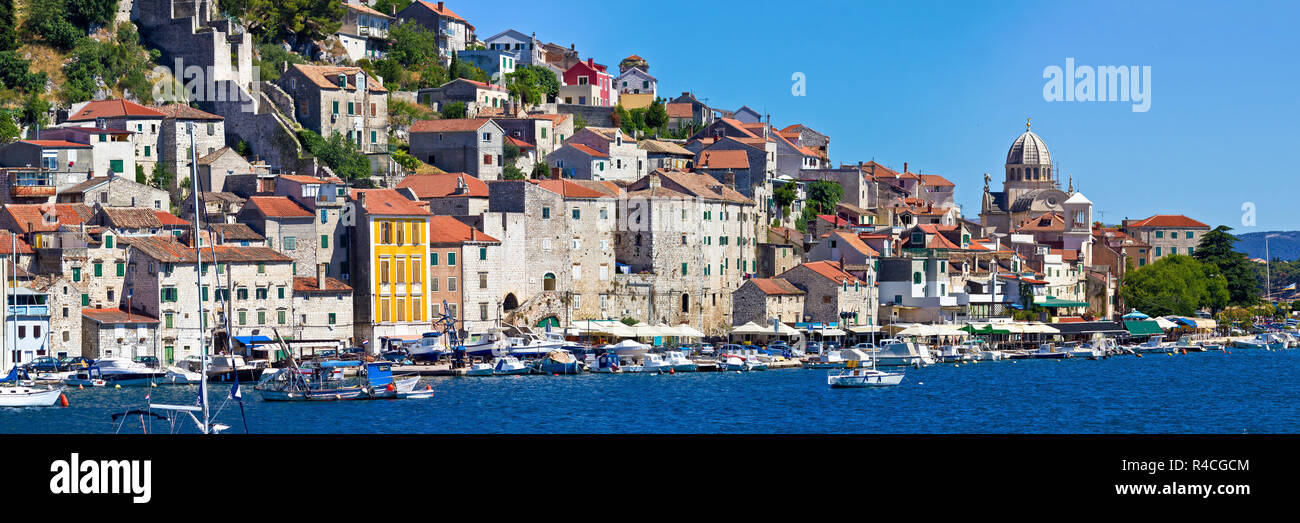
{"type": "Point", "coordinates": [482, 253]}
{"type": "Point", "coordinates": [683, 269]}
{"type": "Point", "coordinates": [546, 213]}
{"type": "Point", "coordinates": [401, 271]}
{"type": "Point", "coordinates": [76, 274]}
{"type": "Point", "coordinates": [280, 317]}
{"type": "Point", "coordinates": [433, 259]}
{"type": "Point", "coordinates": [433, 284]}
{"type": "Point", "coordinates": [487, 159]}
{"type": "Point", "coordinates": [243, 317]}
{"type": "Point", "coordinates": [85, 300]}
{"type": "Point", "coordinates": [916, 277]}
{"type": "Point", "coordinates": [332, 318]}
{"type": "Point", "coordinates": [482, 280]}
{"type": "Point", "coordinates": [324, 241]}
{"type": "Point", "coordinates": [335, 106]}
{"type": "Point", "coordinates": [1189, 235]}
{"type": "Point", "coordinates": [383, 272]}
{"type": "Point", "coordinates": [169, 320]}
{"type": "Point", "coordinates": [261, 317]}
{"type": "Point", "coordinates": [324, 215]}
{"type": "Point", "coordinates": [261, 293]}
{"type": "Point", "coordinates": [241, 293]}
{"type": "Point", "coordinates": [290, 243]}
{"type": "Point", "coordinates": [99, 269]}
{"type": "Point", "coordinates": [261, 268]}
{"type": "Point", "coordinates": [451, 259]}
{"type": "Point", "coordinates": [451, 284]}
{"type": "Point", "coordinates": [1160, 234]}
{"type": "Point", "coordinates": [576, 213]}
{"type": "Point", "coordinates": [279, 292]}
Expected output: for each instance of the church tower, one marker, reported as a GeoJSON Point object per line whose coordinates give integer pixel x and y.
{"type": "Point", "coordinates": [1078, 226]}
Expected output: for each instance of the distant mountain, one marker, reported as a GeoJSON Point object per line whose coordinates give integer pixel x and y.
{"type": "Point", "coordinates": [1282, 245]}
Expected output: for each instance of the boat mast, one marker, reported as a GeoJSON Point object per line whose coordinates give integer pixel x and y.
{"type": "Point", "coordinates": [198, 265]}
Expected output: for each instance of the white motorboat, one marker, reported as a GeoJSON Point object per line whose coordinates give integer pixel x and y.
{"type": "Point", "coordinates": [655, 363]}
{"type": "Point", "coordinates": [1156, 343]}
{"type": "Point", "coordinates": [1263, 340]}
{"type": "Point", "coordinates": [432, 345]}
{"type": "Point", "coordinates": [178, 376]}
{"type": "Point", "coordinates": [729, 362]}
{"type": "Point", "coordinates": [680, 362]}
{"type": "Point", "coordinates": [831, 359]}
{"type": "Point", "coordinates": [1047, 351]}
{"type": "Point", "coordinates": [510, 365]}
{"type": "Point", "coordinates": [857, 378]}
{"type": "Point", "coordinates": [490, 343]}
{"type": "Point", "coordinates": [116, 372]}
{"type": "Point", "coordinates": [898, 353]}
{"type": "Point", "coordinates": [480, 369]}
{"type": "Point", "coordinates": [954, 354]}
{"type": "Point", "coordinates": [1081, 350]}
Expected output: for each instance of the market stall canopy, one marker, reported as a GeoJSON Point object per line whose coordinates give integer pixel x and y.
{"type": "Point", "coordinates": [751, 328]}
{"type": "Point", "coordinates": [864, 329]}
{"type": "Point", "coordinates": [689, 332]}
{"type": "Point", "coordinates": [1040, 328]}
{"type": "Point", "coordinates": [986, 328]}
{"type": "Point", "coordinates": [1057, 302]}
{"type": "Point", "coordinates": [932, 330]}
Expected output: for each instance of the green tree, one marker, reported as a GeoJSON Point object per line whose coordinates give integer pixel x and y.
{"type": "Point", "coordinates": [35, 110]}
{"type": "Point", "coordinates": [578, 122]}
{"type": "Point", "coordinates": [784, 196]}
{"type": "Point", "coordinates": [140, 177]}
{"type": "Point", "coordinates": [162, 177]}
{"type": "Point", "coordinates": [511, 152]}
{"type": "Point", "coordinates": [541, 170]}
{"type": "Point", "coordinates": [1216, 248]}
{"type": "Point", "coordinates": [527, 84]}
{"type": "Point", "coordinates": [1175, 285]}
{"type": "Point", "coordinates": [454, 110]}
{"type": "Point", "coordinates": [15, 73]}
{"type": "Point", "coordinates": [8, 27]}
{"type": "Point", "coordinates": [85, 13]}
{"type": "Point", "coordinates": [339, 153]}
{"type": "Point", "coordinates": [271, 57]}
{"type": "Point", "coordinates": [390, 7]}
{"type": "Point", "coordinates": [408, 162]}
{"type": "Point", "coordinates": [824, 195]}
{"type": "Point", "coordinates": [656, 117]}
{"type": "Point", "coordinates": [410, 44]}
{"type": "Point", "coordinates": [513, 173]}
{"type": "Point", "coordinates": [49, 20]}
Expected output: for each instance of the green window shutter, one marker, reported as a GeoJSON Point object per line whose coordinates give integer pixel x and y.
{"type": "Point", "coordinates": [116, 165]}
{"type": "Point", "coordinates": [261, 268]}
{"type": "Point", "coordinates": [374, 137]}
{"type": "Point", "coordinates": [205, 294]}
{"type": "Point", "coordinates": [336, 107]}
{"type": "Point", "coordinates": [76, 274]}
{"type": "Point", "coordinates": [324, 241]}
{"type": "Point", "coordinates": [103, 137]}
{"type": "Point", "coordinates": [99, 270]}
{"type": "Point", "coordinates": [324, 215]}
{"type": "Point", "coordinates": [433, 258]}
{"type": "Point", "coordinates": [683, 269]}
{"type": "Point", "coordinates": [279, 292]}
{"type": "Point", "coordinates": [146, 151]}
{"type": "Point", "coordinates": [167, 318]}
{"type": "Point", "coordinates": [261, 317]}
{"type": "Point", "coordinates": [451, 258]}
{"type": "Point", "coordinates": [108, 241]}
{"type": "Point", "coordinates": [279, 317]}
{"type": "Point", "coordinates": [332, 318]}
{"type": "Point", "coordinates": [121, 269]}
{"type": "Point", "coordinates": [85, 300]}
{"type": "Point", "coordinates": [243, 317]}
{"type": "Point", "coordinates": [482, 253]}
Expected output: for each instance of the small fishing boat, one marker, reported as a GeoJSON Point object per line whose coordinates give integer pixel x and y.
{"type": "Point", "coordinates": [655, 363]}
{"type": "Point", "coordinates": [1262, 340]}
{"type": "Point", "coordinates": [680, 362]}
{"type": "Point", "coordinates": [558, 362]}
{"type": "Point", "coordinates": [831, 359]}
{"type": "Point", "coordinates": [1081, 350]}
{"type": "Point", "coordinates": [896, 353]}
{"type": "Point", "coordinates": [178, 376]}
{"type": "Point", "coordinates": [858, 378]}
{"type": "Point", "coordinates": [509, 365]}
{"type": "Point", "coordinates": [954, 354]}
{"type": "Point", "coordinates": [480, 369]}
{"type": "Point", "coordinates": [728, 362]}
{"type": "Point", "coordinates": [607, 363]}
{"type": "Point", "coordinates": [1047, 351]}
{"type": "Point", "coordinates": [374, 381]}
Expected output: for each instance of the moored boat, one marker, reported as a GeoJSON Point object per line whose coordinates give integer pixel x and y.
{"type": "Point", "coordinates": [509, 365]}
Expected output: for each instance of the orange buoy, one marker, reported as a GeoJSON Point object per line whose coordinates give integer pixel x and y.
{"type": "Point", "coordinates": [79, 387]}
{"type": "Point", "coordinates": [389, 388]}
{"type": "Point", "coordinates": [63, 399]}
{"type": "Point", "coordinates": [672, 371]}
{"type": "Point", "coordinates": [428, 387]}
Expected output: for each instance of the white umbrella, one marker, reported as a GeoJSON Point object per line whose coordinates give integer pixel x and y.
{"type": "Point", "coordinates": [1165, 324]}
{"type": "Point", "coordinates": [689, 332]}
{"type": "Point", "coordinates": [751, 328]}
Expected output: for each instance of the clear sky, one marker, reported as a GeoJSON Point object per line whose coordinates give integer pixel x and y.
{"type": "Point", "coordinates": [946, 86]}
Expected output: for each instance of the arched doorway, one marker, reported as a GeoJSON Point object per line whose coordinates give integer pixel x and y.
{"type": "Point", "coordinates": [549, 321]}
{"type": "Point", "coordinates": [686, 302]}
{"type": "Point", "coordinates": [548, 282]}
{"type": "Point", "coordinates": [510, 303]}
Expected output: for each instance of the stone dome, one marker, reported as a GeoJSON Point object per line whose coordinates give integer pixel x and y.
{"type": "Point", "coordinates": [1029, 149]}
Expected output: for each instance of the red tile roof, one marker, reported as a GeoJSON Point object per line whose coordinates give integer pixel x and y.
{"type": "Point", "coordinates": [1046, 222]}
{"type": "Point", "coordinates": [1169, 220]}
{"type": "Point", "coordinates": [166, 248]}
{"type": "Point", "coordinates": [444, 11]}
{"type": "Point", "coordinates": [277, 207]}
{"type": "Point", "coordinates": [855, 242]}
{"type": "Point", "coordinates": [169, 219]}
{"type": "Point", "coordinates": [308, 284]}
{"type": "Point", "coordinates": [445, 229]}
{"type": "Point", "coordinates": [722, 160]}
{"type": "Point", "coordinates": [8, 240]}
{"type": "Point", "coordinates": [679, 110]}
{"type": "Point", "coordinates": [116, 316]}
{"type": "Point", "coordinates": [309, 180]}
{"type": "Point", "coordinates": [113, 108]}
{"type": "Point", "coordinates": [519, 143]}
{"type": "Point", "coordinates": [569, 189]}
{"type": "Point", "coordinates": [776, 287]}
{"type": "Point", "coordinates": [587, 150]}
{"type": "Point", "coordinates": [388, 202]}
{"type": "Point", "coordinates": [324, 77]}
{"type": "Point", "coordinates": [443, 185]}
{"type": "Point", "coordinates": [830, 270]}
{"type": "Point", "coordinates": [31, 218]}
{"type": "Point", "coordinates": [56, 144]}
{"type": "Point", "coordinates": [936, 180]}
{"type": "Point", "coordinates": [833, 219]}
{"type": "Point", "coordinates": [450, 125]}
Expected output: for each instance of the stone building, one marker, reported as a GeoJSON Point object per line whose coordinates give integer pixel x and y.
{"type": "Point", "coordinates": [145, 124]}
{"type": "Point", "coordinates": [326, 199]}
{"type": "Point", "coordinates": [1029, 188]}
{"type": "Point", "coordinates": [626, 161]}
{"type": "Point", "coordinates": [112, 150]}
{"type": "Point", "coordinates": [32, 170]}
{"type": "Point", "coordinates": [63, 298]}
{"type": "Point", "coordinates": [479, 98]}
{"type": "Point", "coordinates": [254, 283]}
{"type": "Point", "coordinates": [287, 227]}
{"type": "Point", "coordinates": [117, 333]}
{"type": "Point", "coordinates": [343, 100]}
{"type": "Point", "coordinates": [464, 274]}
{"type": "Point", "coordinates": [364, 32]}
{"type": "Point", "coordinates": [474, 146]}
{"type": "Point", "coordinates": [1167, 234]}
{"type": "Point", "coordinates": [761, 300]}
{"type": "Point", "coordinates": [217, 165]}
{"type": "Point", "coordinates": [452, 194]}
{"type": "Point", "coordinates": [322, 309]}
{"type": "Point", "coordinates": [116, 191]}
{"type": "Point", "coordinates": [832, 291]}
{"type": "Point", "coordinates": [174, 138]}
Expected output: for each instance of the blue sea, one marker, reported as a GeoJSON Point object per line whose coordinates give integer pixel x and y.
{"type": "Point", "coordinates": [1242, 392]}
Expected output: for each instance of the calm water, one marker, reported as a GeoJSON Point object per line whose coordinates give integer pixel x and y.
{"type": "Point", "coordinates": [1242, 392]}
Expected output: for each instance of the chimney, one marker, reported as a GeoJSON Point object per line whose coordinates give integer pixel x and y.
{"type": "Point", "coordinates": [591, 62]}
{"type": "Point", "coordinates": [904, 166]}
{"type": "Point", "coordinates": [320, 276]}
{"type": "Point", "coordinates": [361, 200]}
{"type": "Point", "coordinates": [439, 7]}
{"type": "Point", "coordinates": [572, 47]}
{"type": "Point", "coordinates": [730, 179]}
{"type": "Point", "coordinates": [654, 180]}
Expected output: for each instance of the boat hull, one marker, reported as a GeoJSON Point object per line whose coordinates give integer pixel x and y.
{"type": "Point", "coordinates": [20, 396]}
{"type": "Point", "coordinates": [353, 393]}
{"type": "Point", "coordinates": [874, 379]}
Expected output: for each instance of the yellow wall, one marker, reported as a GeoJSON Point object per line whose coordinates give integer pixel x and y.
{"type": "Point", "coordinates": [414, 236]}
{"type": "Point", "coordinates": [632, 101]}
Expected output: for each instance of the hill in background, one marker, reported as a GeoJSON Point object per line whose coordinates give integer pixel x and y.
{"type": "Point", "coordinates": [1282, 245]}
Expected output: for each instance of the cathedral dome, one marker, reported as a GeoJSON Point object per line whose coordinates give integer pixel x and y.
{"type": "Point", "coordinates": [1028, 149]}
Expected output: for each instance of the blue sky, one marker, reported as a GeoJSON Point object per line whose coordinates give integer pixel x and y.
{"type": "Point", "coordinates": [946, 87]}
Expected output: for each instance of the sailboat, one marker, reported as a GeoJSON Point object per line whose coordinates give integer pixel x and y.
{"type": "Point", "coordinates": [856, 376]}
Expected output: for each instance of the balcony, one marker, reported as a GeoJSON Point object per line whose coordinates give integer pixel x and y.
{"type": "Point", "coordinates": [31, 183]}
{"type": "Point", "coordinates": [29, 310]}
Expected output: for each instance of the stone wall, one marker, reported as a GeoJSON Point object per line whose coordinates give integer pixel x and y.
{"type": "Point", "coordinates": [594, 116]}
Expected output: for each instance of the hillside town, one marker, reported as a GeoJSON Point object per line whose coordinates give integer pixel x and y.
{"type": "Point", "coordinates": [329, 200]}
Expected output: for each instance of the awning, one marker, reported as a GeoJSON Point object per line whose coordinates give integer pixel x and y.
{"type": "Point", "coordinates": [1090, 327]}
{"type": "Point", "coordinates": [864, 329]}
{"type": "Point", "coordinates": [1143, 328]}
{"type": "Point", "coordinates": [252, 340]}
{"type": "Point", "coordinates": [1056, 302]}
{"type": "Point", "coordinates": [827, 332]}
{"type": "Point", "coordinates": [1165, 324]}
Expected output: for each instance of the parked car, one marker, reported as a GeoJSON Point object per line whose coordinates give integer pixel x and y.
{"type": "Point", "coordinates": [74, 363]}
{"type": "Point", "coordinates": [44, 364]}
{"type": "Point", "coordinates": [148, 361]}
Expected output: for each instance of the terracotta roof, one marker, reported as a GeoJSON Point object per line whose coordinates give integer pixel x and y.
{"type": "Point", "coordinates": [554, 118]}
{"type": "Point", "coordinates": [1066, 254]}
{"type": "Point", "coordinates": [936, 180]}
{"type": "Point", "coordinates": [365, 10]}
{"type": "Point", "coordinates": [445, 229]}
{"type": "Point", "coordinates": [277, 207]}
{"type": "Point", "coordinates": [1048, 221]}
{"type": "Point", "coordinates": [324, 77]}
{"type": "Point", "coordinates": [116, 316]}
{"type": "Point", "coordinates": [132, 217]}
{"type": "Point", "coordinates": [433, 6]}
{"type": "Point", "coordinates": [689, 184]}
{"type": "Point", "coordinates": [31, 218]}
{"type": "Point", "coordinates": [388, 202]}
{"type": "Point", "coordinates": [450, 125]}
{"type": "Point", "coordinates": [569, 189]}
{"type": "Point", "coordinates": [443, 185]}
{"type": "Point", "coordinates": [309, 180]}
{"type": "Point", "coordinates": [519, 143]}
{"type": "Point", "coordinates": [660, 146]}
{"type": "Point", "coordinates": [679, 110]}
{"type": "Point", "coordinates": [184, 112]}
{"type": "Point", "coordinates": [166, 248]}
{"type": "Point", "coordinates": [235, 232]}
{"type": "Point", "coordinates": [86, 185]}
{"type": "Point", "coordinates": [1169, 220]}
{"type": "Point", "coordinates": [587, 150]}
{"type": "Point", "coordinates": [169, 219]}
{"type": "Point", "coordinates": [56, 144]}
{"type": "Point", "coordinates": [113, 108]}
{"type": "Point", "coordinates": [308, 284]}
{"type": "Point", "coordinates": [7, 240]}
{"type": "Point", "coordinates": [852, 240]}
{"type": "Point", "coordinates": [830, 270]}
{"type": "Point", "coordinates": [722, 160]}
{"type": "Point", "coordinates": [776, 286]}
{"type": "Point", "coordinates": [833, 219]}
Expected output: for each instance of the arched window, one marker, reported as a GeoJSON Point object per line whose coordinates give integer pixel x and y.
{"type": "Point", "coordinates": [916, 277]}
{"type": "Point", "coordinates": [548, 282]}
{"type": "Point", "coordinates": [686, 302]}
